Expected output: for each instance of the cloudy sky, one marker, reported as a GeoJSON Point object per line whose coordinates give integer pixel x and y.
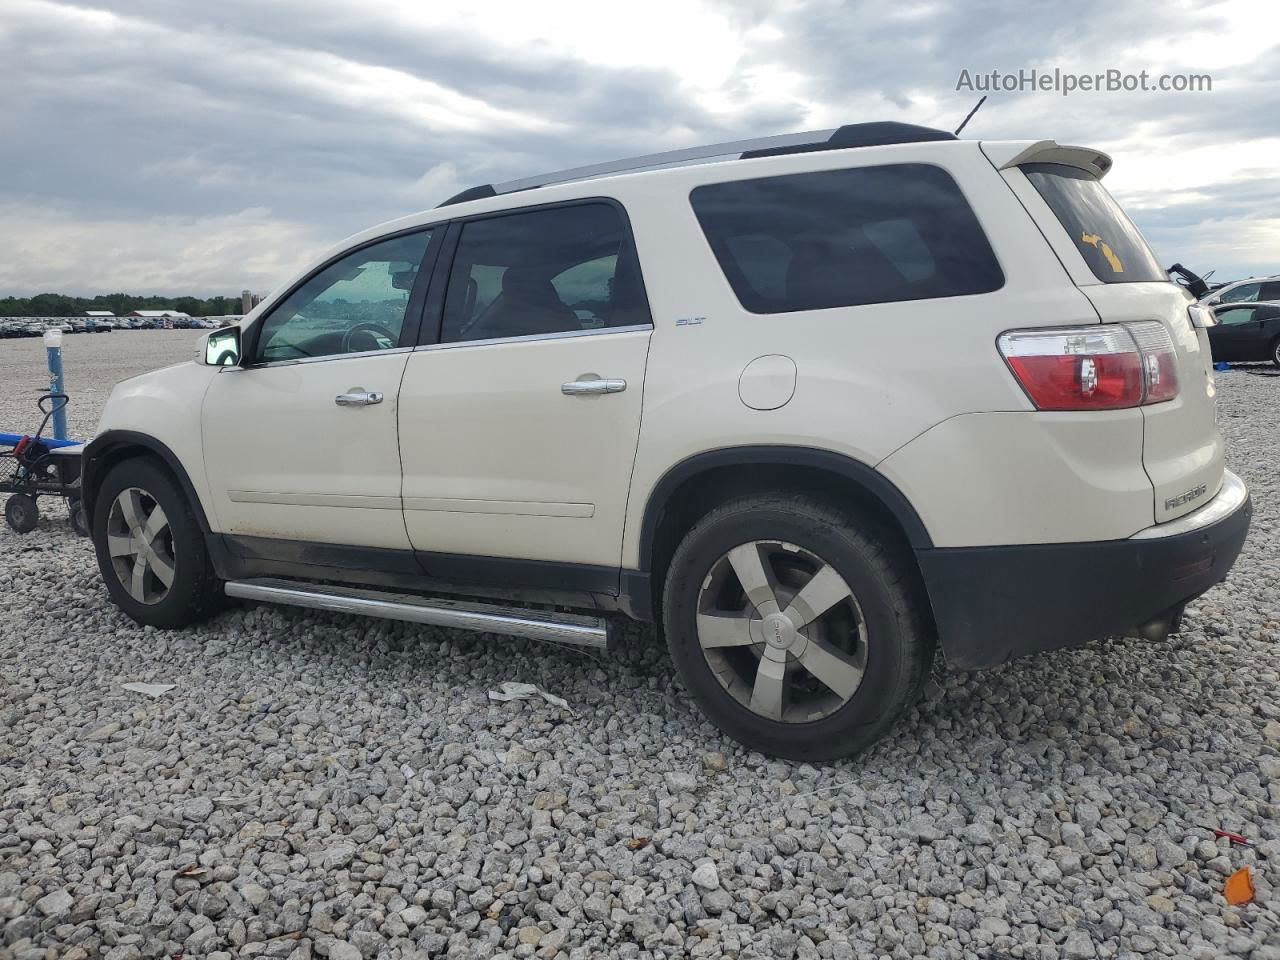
{"type": "Point", "coordinates": [188, 146]}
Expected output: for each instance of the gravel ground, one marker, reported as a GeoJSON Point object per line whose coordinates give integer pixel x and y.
{"type": "Point", "coordinates": [322, 785]}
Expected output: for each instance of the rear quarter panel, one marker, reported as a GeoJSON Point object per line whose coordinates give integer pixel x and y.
{"type": "Point", "coordinates": [869, 378]}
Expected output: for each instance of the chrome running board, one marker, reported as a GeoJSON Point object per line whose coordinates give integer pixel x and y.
{"type": "Point", "coordinates": [570, 628]}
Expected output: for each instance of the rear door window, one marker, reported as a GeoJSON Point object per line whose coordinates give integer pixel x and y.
{"type": "Point", "coordinates": [840, 238]}
{"type": "Point", "coordinates": [557, 270]}
{"type": "Point", "coordinates": [1106, 238]}
{"type": "Point", "coordinates": [1270, 290]}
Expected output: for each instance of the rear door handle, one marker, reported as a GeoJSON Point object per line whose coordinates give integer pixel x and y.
{"type": "Point", "coordinates": [582, 388]}
{"type": "Point", "coordinates": [358, 398]}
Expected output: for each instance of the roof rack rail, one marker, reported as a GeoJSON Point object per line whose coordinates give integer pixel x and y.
{"type": "Point", "coordinates": [838, 138]}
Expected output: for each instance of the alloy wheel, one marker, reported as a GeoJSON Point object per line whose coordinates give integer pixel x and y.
{"type": "Point", "coordinates": [782, 631]}
{"type": "Point", "coordinates": [140, 543]}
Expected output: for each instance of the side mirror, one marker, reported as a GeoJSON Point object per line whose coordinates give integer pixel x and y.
{"type": "Point", "coordinates": [220, 348]}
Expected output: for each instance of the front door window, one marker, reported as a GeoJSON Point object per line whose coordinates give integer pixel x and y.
{"type": "Point", "coordinates": [355, 305]}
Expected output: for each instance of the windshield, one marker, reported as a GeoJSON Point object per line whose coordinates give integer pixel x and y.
{"type": "Point", "coordinates": [1107, 239]}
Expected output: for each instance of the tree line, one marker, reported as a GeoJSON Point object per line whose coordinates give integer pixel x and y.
{"type": "Point", "coordinates": [61, 305]}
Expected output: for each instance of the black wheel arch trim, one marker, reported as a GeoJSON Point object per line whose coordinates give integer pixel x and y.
{"type": "Point", "coordinates": [98, 452]}
{"type": "Point", "coordinates": [872, 481]}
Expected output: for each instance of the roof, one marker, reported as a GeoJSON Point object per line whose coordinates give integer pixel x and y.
{"type": "Point", "coordinates": [98, 313]}
{"type": "Point", "coordinates": [159, 313]}
{"type": "Point", "coordinates": [850, 135]}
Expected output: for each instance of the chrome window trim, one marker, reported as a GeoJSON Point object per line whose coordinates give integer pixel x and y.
{"type": "Point", "coordinates": [294, 361]}
{"type": "Point", "coordinates": [562, 335]}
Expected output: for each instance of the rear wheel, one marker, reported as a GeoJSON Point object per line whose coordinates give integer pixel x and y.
{"type": "Point", "coordinates": [1275, 352]}
{"type": "Point", "coordinates": [150, 549]}
{"type": "Point", "coordinates": [21, 513]}
{"type": "Point", "coordinates": [79, 522]}
{"type": "Point", "coordinates": [796, 625]}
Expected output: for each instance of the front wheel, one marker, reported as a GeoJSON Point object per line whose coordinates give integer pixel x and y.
{"type": "Point", "coordinates": [150, 549]}
{"type": "Point", "coordinates": [1275, 352]}
{"type": "Point", "coordinates": [797, 625]}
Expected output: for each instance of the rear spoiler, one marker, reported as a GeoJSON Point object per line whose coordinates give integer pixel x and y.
{"type": "Point", "coordinates": [1004, 154]}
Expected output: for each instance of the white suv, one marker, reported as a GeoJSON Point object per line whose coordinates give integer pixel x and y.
{"type": "Point", "coordinates": [815, 406]}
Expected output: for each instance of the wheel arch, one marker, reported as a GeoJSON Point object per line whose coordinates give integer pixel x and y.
{"type": "Point", "coordinates": [688, 489]}
{"type": "Point", "coordinates": [115, 446]}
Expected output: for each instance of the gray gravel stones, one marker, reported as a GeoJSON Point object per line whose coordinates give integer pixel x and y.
{"type": "Point", "coordinates": [705, 875]}
{"type": "Point", "coordinates": [318, 786]}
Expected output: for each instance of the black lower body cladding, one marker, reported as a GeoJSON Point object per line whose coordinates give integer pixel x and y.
{"type": "Point", "coordinates": [992, 604]}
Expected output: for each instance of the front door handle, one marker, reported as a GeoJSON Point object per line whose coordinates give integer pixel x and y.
{"type": "Point", "coordinates": [356, 397]}
{"type": "Point", "coordinates": [585, 387]}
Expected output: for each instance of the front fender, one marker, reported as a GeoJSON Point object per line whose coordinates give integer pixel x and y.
{"type": "Point", "coordinates": [108, 449]}
{"type": "Point", "coordinates": [157, 414]}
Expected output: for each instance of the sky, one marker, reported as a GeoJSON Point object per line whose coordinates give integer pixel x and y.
{"type": "Point", "coordinates": [190, 147]}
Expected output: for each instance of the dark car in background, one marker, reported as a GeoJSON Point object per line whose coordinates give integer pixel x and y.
{"type": "Point", "coordinates": [1245, 332]}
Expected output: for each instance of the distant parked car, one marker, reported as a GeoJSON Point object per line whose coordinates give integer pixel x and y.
{"type": "Point", "coordinates": [1253, 290]}
{"type": "Point", "coordinates": [1246, 331]}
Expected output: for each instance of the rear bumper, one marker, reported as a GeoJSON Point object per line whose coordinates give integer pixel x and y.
{"type": "Point", "coordinates": [995, 603]}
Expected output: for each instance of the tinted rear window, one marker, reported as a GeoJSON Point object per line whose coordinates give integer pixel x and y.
{"type": "Point", "coordinates": [840, 238]}
{"type": "Point", "coordinates": [1107, 239]}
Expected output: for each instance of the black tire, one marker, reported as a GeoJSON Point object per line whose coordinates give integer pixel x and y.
{"type": "Point", "coordinates": [195, 591]}
{"type": "Point", "coordinates": [21, 513]}
{"type": "Point", "coordinates": [1275, 351]}
{"type": "Point", "coordinates": [79, 522]}
{"type": "Point", "coordinates": [875, 566]}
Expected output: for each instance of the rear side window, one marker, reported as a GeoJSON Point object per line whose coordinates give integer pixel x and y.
{"type": "Point", "coordinates": [564, 269]}
{"type": "Point", "coordinates": [1107, 239]}
{"type": "Point", "coordinates": [840, 238]}
{"type": "Point", "coordinates": [1243, 293]}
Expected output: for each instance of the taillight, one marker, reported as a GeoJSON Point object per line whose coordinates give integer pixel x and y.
{"type": "Point", "coordinates": [1159, 361]}
{"type": "Point", "coordinates": [1104, 367]}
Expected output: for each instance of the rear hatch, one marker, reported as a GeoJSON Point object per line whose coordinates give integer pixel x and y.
{"type": "Point", "coordinates": [1113, 266]}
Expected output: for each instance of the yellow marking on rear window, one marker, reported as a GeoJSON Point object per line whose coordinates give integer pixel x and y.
{"type": "Point", "coordinates": [1096, 241]}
